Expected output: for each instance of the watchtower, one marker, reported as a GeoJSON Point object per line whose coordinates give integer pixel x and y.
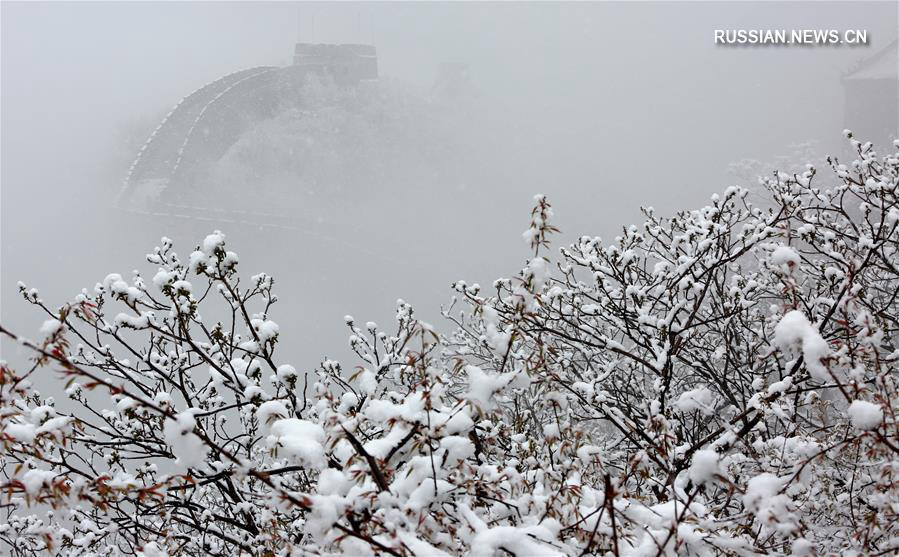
{"type": "Point", "coordinates": [872, 98]}
{"type": "Point", "coordinates": [345, 63]}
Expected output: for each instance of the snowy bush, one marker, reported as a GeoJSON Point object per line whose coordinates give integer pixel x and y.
{"type": "Point", "coordinates": [722, 381]}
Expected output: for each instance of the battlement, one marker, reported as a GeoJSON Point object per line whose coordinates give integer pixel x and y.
{"type": "Point", "coordinates": [349, 62]}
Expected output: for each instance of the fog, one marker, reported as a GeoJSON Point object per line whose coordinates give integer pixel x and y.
{"type": "Point", "coordinates": [604, 107]}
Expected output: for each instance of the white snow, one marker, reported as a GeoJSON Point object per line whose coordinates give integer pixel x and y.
{"type": "Point", "coordinates": [33, 480]}
{"type": "Point", "coordinates": [186, 446]}
{"type": "Point", "coordinates": [458, 448]}
{"type": "Point", "coordinates": [539, 271]}
{"type": "Point", "coordinates": [253, 391]}
{"type": "Point", "coordinates": [163, 277]}
{"type": "Point", "coordinates": [50, 327]}
{"type": "Point", "coordinates": [22, 433]}
{"type": "Point", "coordinates": [266, 329]}
{"type": "Point", "coordinates": [420, 547]}
{"type": "Point", "coordinates": [380, 410]}
{"type": "Point", "coordinates": [366, 381]}
{"type": "Point", "coordinates": [152, 549]}
{"type": "Point", "coordinates": [497, 338]}
{"type": "Point", "coordinates": [212, 242]}
{"type": "Point", "coordinates": [459, 422]}
{"type": "Point", "coordinates": [785, 255]}
{"type": "Point", "coordinates": [114, 284]}
{"type": "Point", "coordinates": [333, 482]}
{"type": "Point", "coordinates": [762, 499]}
{"type": "Point", "coordinates": [802, 548]}
{"type": "Point", "coordinates": [700, 398]}
{"type": "Point", "coordinates": [515, 541]}
{"type": "Point", "coordinates": [143, 321]}
{"type": "Point", "coordinates": [41, 423]}
{"type": "Point", "coordinates": [197, 259]}
{"type": "Point", "coordinates": [269, 410]}
{"type": "Point", "coordinates": [183, 286]}
{"type": "Point", "coordinates": [123, 480]}
{"type": "Point", "coordinates": [865, 415]}
{"type": "Point", "coordinates": [299, 439]}
{"type": "Point", "coordinates": [703, 467]}
{"type": "Point", "coordinates": [126, 403]}
{"type": "Point", "coordinates": [54, 425]}
{"type": "Point", "coordinates": [286, 373]}
{"type": "Point", "coordinates": [793, 328]}
{"type": "Point", "coordinates": [483, 386]}
{"type": "Point", "coordinates": [780, 386]}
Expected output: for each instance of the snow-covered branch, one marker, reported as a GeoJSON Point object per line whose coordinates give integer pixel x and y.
{"type": "Point", "coordinates": [719, 382]}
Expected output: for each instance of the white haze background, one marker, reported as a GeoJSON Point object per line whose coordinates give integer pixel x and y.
{"type": "Point", "coordinates": [603, 107]}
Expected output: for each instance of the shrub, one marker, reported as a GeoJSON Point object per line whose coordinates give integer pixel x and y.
{"type": "Point", "coordinates": [722, 381]}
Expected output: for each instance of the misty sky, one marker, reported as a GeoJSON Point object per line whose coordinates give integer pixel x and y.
{"type": "Point", "coordinates": [602, 106]}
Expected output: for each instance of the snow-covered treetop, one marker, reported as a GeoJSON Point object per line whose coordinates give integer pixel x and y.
{"type": "Point", "coordinates": [718, 382]}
